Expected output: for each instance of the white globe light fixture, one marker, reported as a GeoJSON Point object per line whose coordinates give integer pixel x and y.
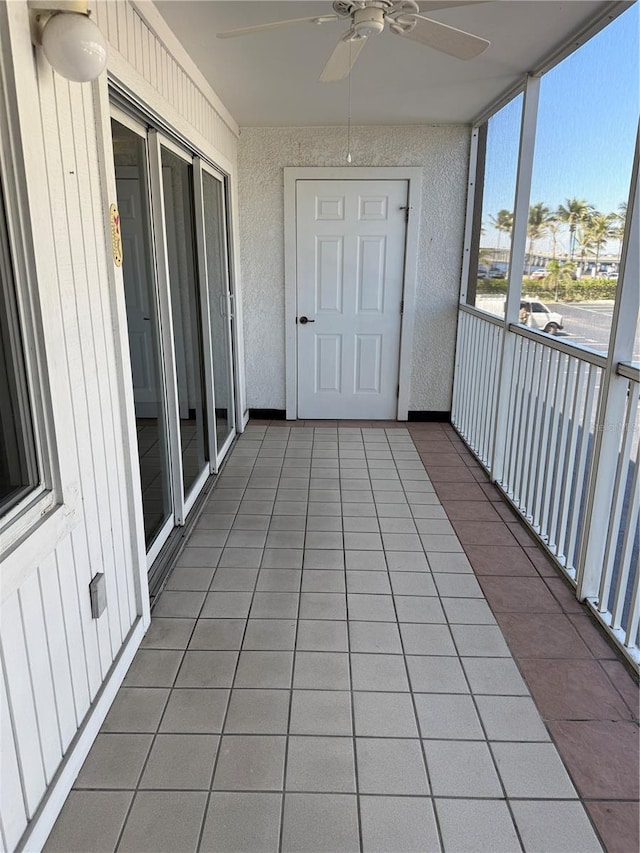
{"type": "Point", "coordinates": [72, 43]}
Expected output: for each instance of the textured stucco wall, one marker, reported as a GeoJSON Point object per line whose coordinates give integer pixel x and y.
{"type": "Point", "coordinates": [442, 153]}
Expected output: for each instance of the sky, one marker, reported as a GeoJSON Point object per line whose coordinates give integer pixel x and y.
{"type": "Point", "coordinates": [587, 124]}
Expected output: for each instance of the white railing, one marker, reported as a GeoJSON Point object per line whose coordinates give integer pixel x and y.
{"type": "Point", "coordinates": [478, 352]}
{"type": "Point", "coordinates": [546, 456]}
{"type": "Point", "coordinates": [617, 602]}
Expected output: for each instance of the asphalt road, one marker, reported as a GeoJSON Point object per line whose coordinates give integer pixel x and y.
{"type": "Point", "coordinates": [589, 324]}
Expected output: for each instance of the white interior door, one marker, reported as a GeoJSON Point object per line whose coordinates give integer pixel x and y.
{"type": "Point", "coordinates": [351, 237]}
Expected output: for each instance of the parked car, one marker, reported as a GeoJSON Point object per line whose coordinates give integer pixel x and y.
{"type": "Point", "coordinates": [483, 271]}
{"type": "Point", "coordinates": [538, 274]}
{"type": "Point", "coordinates": [496, 272]}
{"type": "Point", "coordinates": [536, 315]}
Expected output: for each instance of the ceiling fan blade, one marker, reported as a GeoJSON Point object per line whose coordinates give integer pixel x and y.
{"type": "Point", "coordinates": [428, 7]}
{"type": "Point", "coordinates": [342, 60]}
{"type": "Point", "coordinates": [442, 37]}
{"type": "Point", "coordinates": [244, 31]}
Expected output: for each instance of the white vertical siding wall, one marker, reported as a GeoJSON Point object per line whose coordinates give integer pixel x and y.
{"type": "Point", "coordinates": [54, 657]}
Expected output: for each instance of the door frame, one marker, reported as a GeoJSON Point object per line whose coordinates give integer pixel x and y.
{"type": "Point", "coordinates": [413, 176]}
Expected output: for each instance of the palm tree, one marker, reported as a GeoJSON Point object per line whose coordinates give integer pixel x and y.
{"type": "Point", "coordinates": [621, 218]}
{"type": "Point", "coordinates": [503, 223]}
{"type": "Point", "coordinates": [574, 212]}
{"type": "Point", "coordinates": [553, 226]}
{"type": "Point", "coordinates": [560, 273]}
{"type": "Point", "coordinates": [539, 216]}
{"type": "Point", "coordinates": [601, 229]}
{"type": "Point", "coordinates": [584, 239]}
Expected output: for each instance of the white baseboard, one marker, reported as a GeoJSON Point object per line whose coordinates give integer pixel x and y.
{"type": "Point", "coordinates": [42, 822]}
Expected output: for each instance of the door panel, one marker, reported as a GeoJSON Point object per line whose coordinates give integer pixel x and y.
{"type": "Point", "coordinates": [144, 329]}
{"type": "Point", "coordinates": [350, 272]}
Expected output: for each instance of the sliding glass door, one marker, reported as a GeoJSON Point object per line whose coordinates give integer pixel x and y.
{"type": "Point", "coordinates": [178, 300]}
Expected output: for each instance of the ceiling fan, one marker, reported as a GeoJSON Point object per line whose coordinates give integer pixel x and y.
{"type": "Point", "coordinates": [369, 18]}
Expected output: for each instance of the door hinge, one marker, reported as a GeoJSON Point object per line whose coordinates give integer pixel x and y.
{"type": "Point", "coordinates": [406, 208]}
{"type": "Point", "coordinates": [402, 307]}
{"type": "Point", "coordinates": [398, 391]}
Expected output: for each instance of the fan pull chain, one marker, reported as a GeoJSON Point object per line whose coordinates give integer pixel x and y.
{"type": "Point", "coordinates": [349, 105]}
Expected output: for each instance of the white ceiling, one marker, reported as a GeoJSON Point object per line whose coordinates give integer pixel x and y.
{"type": "Point", "coordinates": [270, 78]}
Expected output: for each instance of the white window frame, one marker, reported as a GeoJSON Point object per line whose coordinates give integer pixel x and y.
{"type": "Point", "coordinates": [37, 507]}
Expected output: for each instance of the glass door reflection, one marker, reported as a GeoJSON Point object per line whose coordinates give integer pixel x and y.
{"type": "Point", "coordinates": [215, 238]}
{"type": "Point", "coordinates": [179, 235]}
{"type": "Point", "coordinates": [143, 322]}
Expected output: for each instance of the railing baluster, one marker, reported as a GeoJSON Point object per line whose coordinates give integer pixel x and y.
{"type": "Point", "coordinates": [567, 492]}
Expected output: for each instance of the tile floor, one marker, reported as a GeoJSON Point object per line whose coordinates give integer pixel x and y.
{"type": "Point", "coordinates": [323, 671]}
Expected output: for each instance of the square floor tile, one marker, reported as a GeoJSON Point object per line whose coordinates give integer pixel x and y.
{"type": "Point", "coordinates": [279, 580]}
{"type": "Point", "coordinates": [322, 636]}
{"type": "Point", "coordinates": [242, 822]}
{"type": "Point", "coordinates": [384, 715]}
{"type": "Point", "coordinates": [321, 671]}
{"type": "Point", "coordinates": [246, 539]}
{"type": "Point", "coordinates": [375, 637]}
{"type": "Point", "coordinates": [136, 709]}
{"type": "Point", "coordinates": [372, 561]}
{"type": "Point", "coordinates": [401, 542]}
{"type": "Point", "coordinates": [320, 712]}
{"type": "Point", "coordinates": [234, 580]}
{"type": "Point", "coordinates": [241, 558]}
{"type": "Point", "coordinates": [368, 582]}
{"type": "Point", "coordinates": [532, 770]}
{"type": "Point", "coordinates": [407, 561]}
{"type": "Point", "coordinates": [264, 669]}
{"type": "Point", "coordinates": [511, 718]}
{"type": "Point", "coordinates": [164, 820]}
{"type": "Point", "coordinates": [457, 585]}
{"type": "Point", "coordinates": [413, 583]}
{"type": "Point", "coordinates": [270, 635]}
{"type": "Point", "coordinates": [325, 540]}
{"type": "Point", "coordinates": [324, 524]}
{"type": "Point", "coordinates": [423, 639]}
{"type": "Point", "coordinates": [180, 761]}
{"type": "Point", "coordinates": [476, 826]}
{"type": "Point", "coordinates": [217, 634]}
{"type": "Point", "coordinates": [391, 766]}
{"type": "Point", "coordinates": [353, 524]}
{"type": "Point", "coordinates": [323, 558]}
{"type": "Point", "coordinates": [323, 580]}
{"type": "Point", "coordinates": [459, 768]}
{"type": "Point", "coordinates": [498, 676]}
{"type": "Point", "coordinates": [274, 605]}
{"type": "Point", "coordinates": [199, 557]}
{"type": "Point", "coordinates": [207, 669]}
{"type": "Point", "coordinates": [561, 827]}
{"type": "Point", "coordinates": [404, 824]}
{"type": "Point", "coordinates": [362, 541]}
{"type": "Point", "coordinates": [250, 762]}
{"type": "Point", "coordinates": [73, 832]}
{"type": "Point", "coordinates": [282, 558]}
{"type": "Point", "coordinates": [316, 764]}
{"type": "Point", "coordinates": [153, 668]}
{"type": "Point", "coordinates": [416, 608]}
{"type": "Point", "coordinates": [379, 672]}
{"type": "Point", "coordinates": [371, 608]}
{"type": "Point", "coordinates": [168, 634]}
{"type": "Point", "coordinates": [251, 522]}
{"type": "Point", "coordinates": [320, 822]}
{"type": "Point", "coordinates": [186, 604]}
{"type": "Point", "coordinates": [323, 605]}
{"type": "Point", "coordinates": [449, 716]}
{"type": "Point", "coordinates": [287, 522]}
{"type": "Point", "coordinates": [285, 539]}
{"type": "Point", "coordinates": [480, 641]}
{"type": "Point", "coordinates": [449, 563]}
{"type": "Point", "coordinates": [227, 605]}
{"type": "Point", "coordinates": [258, 711]}
{"type": "Point", "coordinates": [114, 761]}
{"type": "Point", "coordinates": [467, 611]}
{"type": "Point", "coordinates": [195, 711]}
{"type": "Point", "coordinates": [189, 579]}
{"type": "Point", "coordinates": [431, 674]}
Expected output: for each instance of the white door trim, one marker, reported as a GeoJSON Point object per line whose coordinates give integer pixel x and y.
{"type": "Point", "coordinates": [413, 176]}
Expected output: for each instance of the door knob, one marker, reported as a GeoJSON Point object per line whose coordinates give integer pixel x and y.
{"type": "Point", "coordinates": [304, 320]}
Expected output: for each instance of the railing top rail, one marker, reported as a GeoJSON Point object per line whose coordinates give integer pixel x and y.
{"type": "Point", "coordinates": [575, 350]}
{"type": "Point", "coordinates": [630, 370]}
{"type": "Point", "coordinates": [482, 315]}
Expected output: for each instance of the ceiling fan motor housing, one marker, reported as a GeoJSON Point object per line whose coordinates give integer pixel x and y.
{"type": "Point", "coordinates": [368, 21]}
